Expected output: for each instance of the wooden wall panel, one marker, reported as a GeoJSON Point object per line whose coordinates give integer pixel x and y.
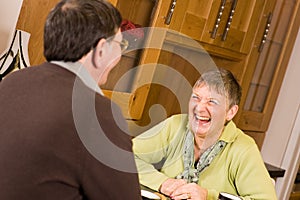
{"type": "Point", "coordinates": [31, 19]}
{"type": "Point", "coordinates": [258, 137]}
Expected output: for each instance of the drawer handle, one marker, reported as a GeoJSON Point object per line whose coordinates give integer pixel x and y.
{"type": "Point", "coordinates": [229, 20]}
{"type": "Point", "coordinates": [218, 20]}
{"type": "Point", "coordinates": [170, 12]}
{"type": "Point", "coordinates": [267, 29]}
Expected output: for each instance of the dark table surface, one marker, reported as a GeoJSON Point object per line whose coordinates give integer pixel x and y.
{"type": "Point", "coordinates": [275, 172]}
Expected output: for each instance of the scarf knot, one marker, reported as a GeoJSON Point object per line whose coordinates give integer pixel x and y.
{"type": "Point", "coordinates": [189, 172]}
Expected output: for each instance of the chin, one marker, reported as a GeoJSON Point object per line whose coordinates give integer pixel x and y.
{"type": "Point", "coordinates": [199, 131]}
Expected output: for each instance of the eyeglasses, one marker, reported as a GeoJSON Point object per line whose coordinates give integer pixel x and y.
{"type": "Point", "coordinates": [123, 44]}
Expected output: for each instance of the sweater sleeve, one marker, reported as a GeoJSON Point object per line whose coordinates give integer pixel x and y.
{"type": "Point", "coordinates": [158, 151]}
{"type": "Point", "coordinates": [108, 166]}
{"type": "Point", "coordinates": [150, 148]}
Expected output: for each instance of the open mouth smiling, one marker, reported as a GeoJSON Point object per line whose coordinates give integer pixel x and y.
{"type": "Point", "coordinates": [202, 118]}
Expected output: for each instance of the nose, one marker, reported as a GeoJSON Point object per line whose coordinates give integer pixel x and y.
{"type": "Point", "coordinates": [200, 105]}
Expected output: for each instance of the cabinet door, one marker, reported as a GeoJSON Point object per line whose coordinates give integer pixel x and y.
{"type": "Point", "coordinates": [129, 82]}
{"type": "Point", "coordinates": [267, 64]}
{"type": "Point", "coordinates": [229, 24]}
{"type": "Point", "coordinates": [236, 27]}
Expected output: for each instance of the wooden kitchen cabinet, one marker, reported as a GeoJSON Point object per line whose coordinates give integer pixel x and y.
{"type": "Point", "coordinates": [257, 53]}
{"type": "Point", "coordinates": [130, 97]}
{"type": "Point", "coordinates": [228, 24]}
{"type": "Point", "coordinates": [256, 49]}
{"type": "Point", "coordinates": [133, 99]}
{"type": "Point", "coordinates": [267, 65]}
{"type": "Point", "coordinates": [138, 65]}
{"type": "Point", "coordinates": [228, 45]}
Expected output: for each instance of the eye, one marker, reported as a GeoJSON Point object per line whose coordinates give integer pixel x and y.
{"type": "Point", "coordinates": [214, 102]}
{"type": "Point", "coordinates": [195, 97]}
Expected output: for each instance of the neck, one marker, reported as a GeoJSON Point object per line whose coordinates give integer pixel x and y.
{"type": "Point", "coordinates": [90, 67]}
{"type": "Point", "coordinates": [203, 143]}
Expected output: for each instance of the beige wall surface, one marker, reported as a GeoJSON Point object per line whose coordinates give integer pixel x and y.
{"type": "Point", "coordinates": [9, 12]}
{"type": "Point", "coordinates": [281, 145]}
{"type": "Point", "coordinates": [286, 108]}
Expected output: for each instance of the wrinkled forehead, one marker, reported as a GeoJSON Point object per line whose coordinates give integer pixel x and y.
{"type": "Point", "coordinates": [212, 86]}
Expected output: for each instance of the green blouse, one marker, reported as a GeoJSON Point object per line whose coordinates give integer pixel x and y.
{"type": "Point", "coordinates": [238, 169]}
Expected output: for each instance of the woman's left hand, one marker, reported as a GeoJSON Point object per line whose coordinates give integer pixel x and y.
{"type": "Point", "coordinates": [189, 191]}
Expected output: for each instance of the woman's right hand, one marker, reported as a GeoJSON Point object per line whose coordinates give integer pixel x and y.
{"type": "Point", "coordinates": [170, 185]}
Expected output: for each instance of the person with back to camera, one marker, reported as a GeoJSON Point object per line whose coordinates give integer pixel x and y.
{"type": "Point", "coordinates": [49, 130]}
{"type": "Point", "coordinates": [201, 154]}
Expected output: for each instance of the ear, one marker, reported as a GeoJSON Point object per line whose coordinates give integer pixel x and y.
{"type": "Point", "coordinates": [99, 52]}
{"type": "Point", "coordinates": [232, 112]}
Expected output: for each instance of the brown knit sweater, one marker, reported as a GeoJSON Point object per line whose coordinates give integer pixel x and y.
{"type": "Point", "coordinates": [41, 154]}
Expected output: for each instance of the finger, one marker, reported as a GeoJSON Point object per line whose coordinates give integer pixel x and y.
{"type": "Point", "coordinates": [183, 191]}
{"type": "Point", "coordinates": [182, 196]}
{"type": "Point", "coordinates": [172, 185]}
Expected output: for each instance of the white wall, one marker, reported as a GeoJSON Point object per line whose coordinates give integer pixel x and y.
{"type": "Point", "coordinates": [281, 145]}
{"type": "Point", "coordinates": [9, 12]}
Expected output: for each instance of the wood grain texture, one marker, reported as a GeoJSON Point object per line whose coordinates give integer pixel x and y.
{"type": "Point", "coordinates": [32, 19]}
{"type": "Point", "coordinates": [195, 18]}
{"type": "Point", "coordinates": [258, 137]}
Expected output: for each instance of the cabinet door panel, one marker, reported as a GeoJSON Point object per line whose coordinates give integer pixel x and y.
{"type": "Point", "coordinates": [193, 25]}
{"type": "Point", "coordinates": [200, 18]}
{"type": "Point", "coordinates": [241, 22]}
{"type": "Point", "coordinates": [267, 65]}
{"type": "Point", "coordinates": [233, 22]}
{"type": "Point", "coordinates": [179, 10]}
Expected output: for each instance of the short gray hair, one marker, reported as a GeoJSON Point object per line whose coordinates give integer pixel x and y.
{"type": "Point", "coordinates": [223, 82]}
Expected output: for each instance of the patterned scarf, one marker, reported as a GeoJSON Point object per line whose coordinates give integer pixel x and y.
{"type": "Point", "coordinates": [190, 173]}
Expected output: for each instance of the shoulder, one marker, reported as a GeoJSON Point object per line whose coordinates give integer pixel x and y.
{"type": "Point", "coordinates": [171, 125]}
{"type": "Point", "coordinates": [232, 134]}
{"type": "Point", "coordinates": [238, 141]}
{"type": "Point", "coordinates": [178, 120]}
{"type": "Point", "coordinates": [45, 74]}
{"type": "Point", "coordinates": [167, 129]}
{"type": "Point", "coordinates": [244, 141]}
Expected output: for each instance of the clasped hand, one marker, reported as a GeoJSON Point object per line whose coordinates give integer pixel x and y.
{"type": "Point", "coordinates": [179, 189]}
